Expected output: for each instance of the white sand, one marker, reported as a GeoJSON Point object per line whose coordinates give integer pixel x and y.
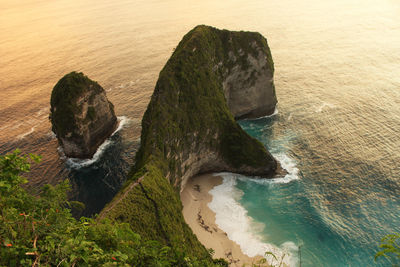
{"type": "Point", "coordinates": [201, 219]}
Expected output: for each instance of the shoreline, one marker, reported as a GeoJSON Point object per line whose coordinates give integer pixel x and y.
{"type": "Point", "coordinates": [201, 219]}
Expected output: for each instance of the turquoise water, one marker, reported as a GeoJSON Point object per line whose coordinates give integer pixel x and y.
{"type": "Point", "coordinates": [337, 77]}
{"type": "Point", "coordinates": [336, 222]}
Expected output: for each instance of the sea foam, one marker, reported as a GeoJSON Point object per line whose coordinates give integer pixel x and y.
{"type": "Point", "coordinates": [323, 106]}
{"type": "Point", "coordinates": [232, 218]}
{"type": "Point", "coordinates": [76, 163]}
{"type": "Point", "coordinates": [287, 163]}
{"type": "Point", "coordinates": [273, 114]}
{"type": "Point", "coordinates": [267, 116]}
{"type": "Point", "coordinates": [123, 121]}
{"type": "Point", "coordinates": [22, 136]}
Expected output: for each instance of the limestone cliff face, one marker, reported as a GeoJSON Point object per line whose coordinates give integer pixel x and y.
{"type": "Point", "coordinates": [248, 82]}
{"type": "Point", "coordinates": [212, 77]}
{"type": "Point", "coordinates": [81, 115]}
{"type": "Point", "coordinates": [189, 127]}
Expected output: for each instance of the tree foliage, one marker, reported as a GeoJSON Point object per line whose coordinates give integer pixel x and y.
{"type": "Point", "coordinates": [41, 230]}
{"type": "Point", "coordinates": [390, 245]}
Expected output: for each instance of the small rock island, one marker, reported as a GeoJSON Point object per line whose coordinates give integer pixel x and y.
{"type": "Point", "coordinates": [81, 115]}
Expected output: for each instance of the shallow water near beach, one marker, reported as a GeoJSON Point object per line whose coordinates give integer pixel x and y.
{"type": "Point", "coordinates": [337, 76]}
{"type": "Point", "coordinates": [335, 215]}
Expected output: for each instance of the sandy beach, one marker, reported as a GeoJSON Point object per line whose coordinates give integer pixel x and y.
{"type": "Point", "coordinates": [201, 219]}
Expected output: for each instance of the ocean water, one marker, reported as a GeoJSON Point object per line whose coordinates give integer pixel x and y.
{"type": "Point", "coordinates": [337, 130]}
{"type": "Point", "coordinates": [334, 216]}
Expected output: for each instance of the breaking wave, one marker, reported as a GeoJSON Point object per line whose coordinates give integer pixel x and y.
{"type": "Point", "coordinates": [232, 218]}
{"type": "Point", "coordinates": [76, 163]}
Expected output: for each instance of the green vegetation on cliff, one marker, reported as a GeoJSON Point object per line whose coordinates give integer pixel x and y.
{"type": "Point", "coordinates": [40, 231]}
{"type": "Point", "coordinates": [153, 209]}
{"type": "Point", "coordinates": [188, 106]}
{"type": "Point", "coordinates": [188, 116]}
{"type": "Point", "coordinates": [390, 249]}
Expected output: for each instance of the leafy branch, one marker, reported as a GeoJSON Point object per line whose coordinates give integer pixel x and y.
{"type": "Point", "coordinates": [390, 249]}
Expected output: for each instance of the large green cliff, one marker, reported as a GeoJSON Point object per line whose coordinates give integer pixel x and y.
{"type": "Point", "coordinates": [188, 128]}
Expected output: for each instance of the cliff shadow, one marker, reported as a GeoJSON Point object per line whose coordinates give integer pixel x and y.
{"type": "Point", "coordinates": [96, 184]}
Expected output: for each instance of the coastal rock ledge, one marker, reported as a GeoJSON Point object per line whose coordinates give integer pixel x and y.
{"type": "Point", "coordinates": [81, 115]}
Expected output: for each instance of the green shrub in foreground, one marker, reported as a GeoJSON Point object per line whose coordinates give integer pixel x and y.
{"type": "Point", "coordinates": [390, 245]}
{"type": "Point", "coordinates": [41, 230]}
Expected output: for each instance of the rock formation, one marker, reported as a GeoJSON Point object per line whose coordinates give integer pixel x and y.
{"type": "Point", "coordinates": [189, 127]}
{"type": "Point", "coordinates": [248, 79]}
{"type": "Point", "coordinates": [81, 115]}
{"type": "Point", "coordinates": [213, 76]}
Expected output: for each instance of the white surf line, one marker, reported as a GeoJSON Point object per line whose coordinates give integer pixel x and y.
{"type": "Point", "coordinates": [323, 106]}
{"type": "Point", "coordinates": [263, 117]}
{"type": "Point", "coordinates": [288, 164]}
{"type": "Point", "coordinates": [276, 111]}
{"type": "Point", "coordinates": [232, 218]}
{"type": "Point", "coordinates": [22, 136]}
{"type": "Point", "coordinates": [123, 120]}
{"type": "Point", "coordinates": [76, 163]}
{"type": "Point", "coordinates": [32, 121]}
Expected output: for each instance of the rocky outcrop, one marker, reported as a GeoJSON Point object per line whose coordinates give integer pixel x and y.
{"type": "Point", "coordinates": [189, 127]}
{"type": "Point", "coordinates": [81, 115]}
{"type": "Point", "coordinates": [213, 77]}
{"type": "Point", "coordinates": [248, 84]}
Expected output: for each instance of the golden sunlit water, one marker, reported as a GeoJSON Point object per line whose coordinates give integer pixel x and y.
{"type": "Point", "coordinates": [337, 79]}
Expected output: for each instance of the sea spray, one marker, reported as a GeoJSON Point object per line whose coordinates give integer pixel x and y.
{"type": "Point", "coordinates": [123, 121]}
{"type": "Point", "coordinates": [287, 163]}
{"type": "Point", "coordinates": [232, 218]}
{"type": "Point", "coordinates": [276, 111]}
{"type": "Point", "coordinates": [22, 136]}
{"type": "Point", "coordinates": [76, 163]}
{"type": "Point", "coordinates": [324, 106]}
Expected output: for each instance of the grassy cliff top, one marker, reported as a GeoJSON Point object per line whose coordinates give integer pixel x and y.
{"type": "Point", "coordinates": [64, 100]}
